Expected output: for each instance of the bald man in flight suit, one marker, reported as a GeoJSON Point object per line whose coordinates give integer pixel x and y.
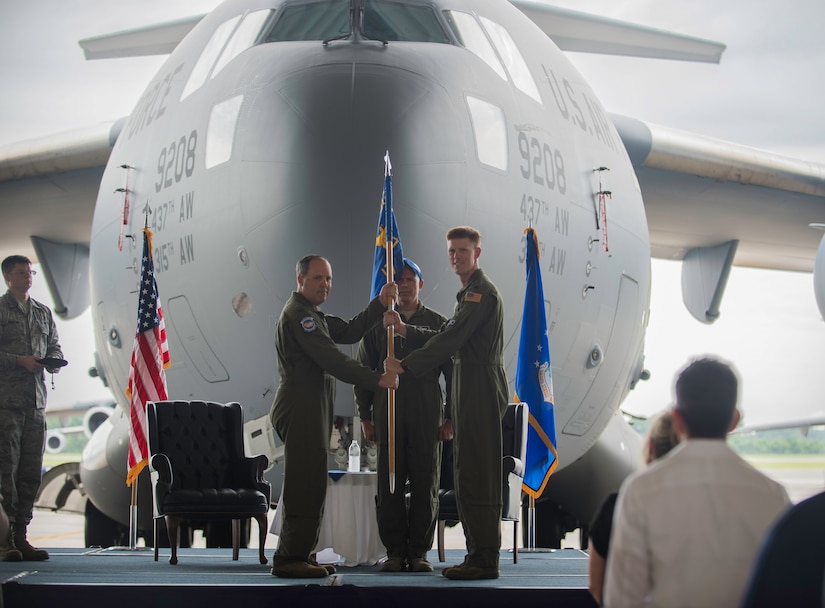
{"type": "Point", "coordinates": [302, 412]}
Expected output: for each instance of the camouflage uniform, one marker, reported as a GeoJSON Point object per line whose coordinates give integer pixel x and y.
{"type": "Point", "coordinates": [22, 404]}
{"type": "Point", "coordinates": [302, 413]}
{"type": "Point", "coordinates": [407, 532]}
{"type": "Point", "coordinates": [479, 399]}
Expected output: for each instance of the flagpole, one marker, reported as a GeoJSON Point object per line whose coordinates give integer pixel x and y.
{"type": "Point", "coordinates": [534, 386]}
{"type": "Point", "coordinates": [150, 320]}
{"type": "Point", "coordinates": [133, 512]}
{"type": "Point", "coordinates": [390, 329]}
{"type": "Point", "coordinates": [133, 505]}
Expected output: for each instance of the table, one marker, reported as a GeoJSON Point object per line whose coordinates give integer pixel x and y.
{"type": "Point", "coordinates": [349, 526]}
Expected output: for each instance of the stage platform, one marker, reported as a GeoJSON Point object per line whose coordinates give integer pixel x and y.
{"type": "Point", "coordinates": [208, 577]}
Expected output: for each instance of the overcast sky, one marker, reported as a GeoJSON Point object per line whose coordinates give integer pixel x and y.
{"type": "Point", "coordinates": [767, 93]}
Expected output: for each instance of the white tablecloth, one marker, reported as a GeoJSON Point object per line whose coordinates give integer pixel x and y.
{"type": "Point", "coordinates": [349, 526]}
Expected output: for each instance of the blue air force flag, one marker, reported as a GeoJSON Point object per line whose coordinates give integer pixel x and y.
{"type": "Point", "coordinates": [534, 378]}
{"type": "Point", "coordinates": [387, 228]}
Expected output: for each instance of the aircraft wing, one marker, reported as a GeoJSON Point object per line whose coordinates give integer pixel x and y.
{"type": "Point", "coordinates": [803, 425]}
{"type": "Point", "coordinates": [160, 39]}
{"type": "Point", "coordinates": [48, 189]}
{"type": "Point", "coordinates": [700, 193]}
{"type": "Point", "coordinates": [587, 33]}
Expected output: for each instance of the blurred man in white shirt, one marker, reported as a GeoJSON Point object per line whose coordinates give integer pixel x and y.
{"type": "Point", "coordinates": [687, 528]}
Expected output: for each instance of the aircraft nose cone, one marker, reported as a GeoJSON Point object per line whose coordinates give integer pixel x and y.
{"type": "Point", "coordinates": [314, 145]}
{"type": "Point", "coordinates": [350, 114]}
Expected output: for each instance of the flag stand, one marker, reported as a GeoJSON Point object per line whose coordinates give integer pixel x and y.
{"type": "Point", "coordinates": [133, 518]}
{"type": "Point", "coordinates": [132, 525]}
{"type": "Point", "coordinates": [531, 530]}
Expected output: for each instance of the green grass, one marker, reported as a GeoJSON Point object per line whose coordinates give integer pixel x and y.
{"type": "Point", "coordinates": [52, 460]}
{"type": "Point", "coordinates": [800, 461]}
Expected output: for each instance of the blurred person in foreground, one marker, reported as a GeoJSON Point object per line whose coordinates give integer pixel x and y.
{"type": "Point", "coordinates": [687, 528]}
{"type": "Point", "coordinates": [660, 439]}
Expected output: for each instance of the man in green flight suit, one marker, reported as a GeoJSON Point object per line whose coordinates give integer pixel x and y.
{"type": "Point", "coordinates": [302, 412]}
{"type": "Point", "coordinates": [407, 532]}
{"type": "Point", "coordinates": [475, 337]}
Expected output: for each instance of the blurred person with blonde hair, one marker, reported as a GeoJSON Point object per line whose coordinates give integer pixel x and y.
{"type": "Point", "coordinates": [661, 437]}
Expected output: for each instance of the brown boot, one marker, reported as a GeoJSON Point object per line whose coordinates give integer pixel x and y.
{"type": "Point", "coordinates": [8, 552]}
{"type": "Point", "coordinates": [27, 552]}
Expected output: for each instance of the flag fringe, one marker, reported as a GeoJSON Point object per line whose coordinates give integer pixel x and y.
{"type": "Point", "coordinates": [133, 473]}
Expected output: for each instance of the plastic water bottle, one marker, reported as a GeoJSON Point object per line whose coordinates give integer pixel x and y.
{"type": "Point", "coordinates": [354, 457]}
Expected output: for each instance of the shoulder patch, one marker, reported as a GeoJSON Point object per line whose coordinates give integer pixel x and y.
{"type": "Point", "coordinates": [472, 296]}
{"type": "Point", "coordinates": [308, 324]}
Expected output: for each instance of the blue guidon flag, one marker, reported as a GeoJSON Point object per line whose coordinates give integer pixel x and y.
{"type": "Point", "coordinates": [534, 378]}
{"type": "Point", "coordinates": [386, 218]}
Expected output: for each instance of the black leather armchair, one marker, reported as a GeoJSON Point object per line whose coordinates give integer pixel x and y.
{"type": "Point", "coordinates": [199, 470]}
{"type": "Point", "coordinates": [514, 454]}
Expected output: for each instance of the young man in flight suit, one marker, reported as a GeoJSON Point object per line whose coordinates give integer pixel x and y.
{"type": "Point", "coordinates": [407, 533]}
{"type": "Point", "coordinates": [475, 336]}
{"type": "Point", "coordinates": [302, 412]}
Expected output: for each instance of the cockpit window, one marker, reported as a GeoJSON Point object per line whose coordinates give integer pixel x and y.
{"type": "Point", "coordinates": [228, 41]}
{"type": "Point", "coordinates": [472, 37]}
{"type": "Point", "coordinates": [399, 21]}
{"type": "Point", "coordinates": [386, 21]}
{"type": "Point", "coordinates": [512, 57]}
{"type": "Point", "coordinates": [210, 53]}
{"type": "Point", "coordinates": [243, 38]}
{"type": "Point", "coordinates": [312, 21]}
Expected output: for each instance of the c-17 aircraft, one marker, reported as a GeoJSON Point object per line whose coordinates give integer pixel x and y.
{"type": "Point", "coordinates": [261, 139]}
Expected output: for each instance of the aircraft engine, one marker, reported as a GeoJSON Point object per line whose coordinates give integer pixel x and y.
{"type": "Point", "coordinates": [55, 442]}
{"type": "Point", "coordinates": [93, 418]}
{"type": "Point", "coordinates": [819, 275]}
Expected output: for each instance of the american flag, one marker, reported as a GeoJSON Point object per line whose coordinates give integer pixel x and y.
{"type": "Point", "coordinates": [150, 357]}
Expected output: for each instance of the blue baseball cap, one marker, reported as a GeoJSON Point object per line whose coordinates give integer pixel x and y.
{"type": "Point", "coordinates": [414, 267]}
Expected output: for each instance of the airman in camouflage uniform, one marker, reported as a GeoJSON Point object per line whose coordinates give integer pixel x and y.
{"type": "Point", "coordinates": [27, 333]}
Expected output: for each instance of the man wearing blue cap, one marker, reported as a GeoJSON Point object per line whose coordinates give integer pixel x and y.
{"type": "Point", "coordinates": [421, 423]}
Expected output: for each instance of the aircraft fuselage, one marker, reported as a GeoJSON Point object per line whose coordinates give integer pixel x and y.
{"type": "Point", "coordinates": [279, 153]}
